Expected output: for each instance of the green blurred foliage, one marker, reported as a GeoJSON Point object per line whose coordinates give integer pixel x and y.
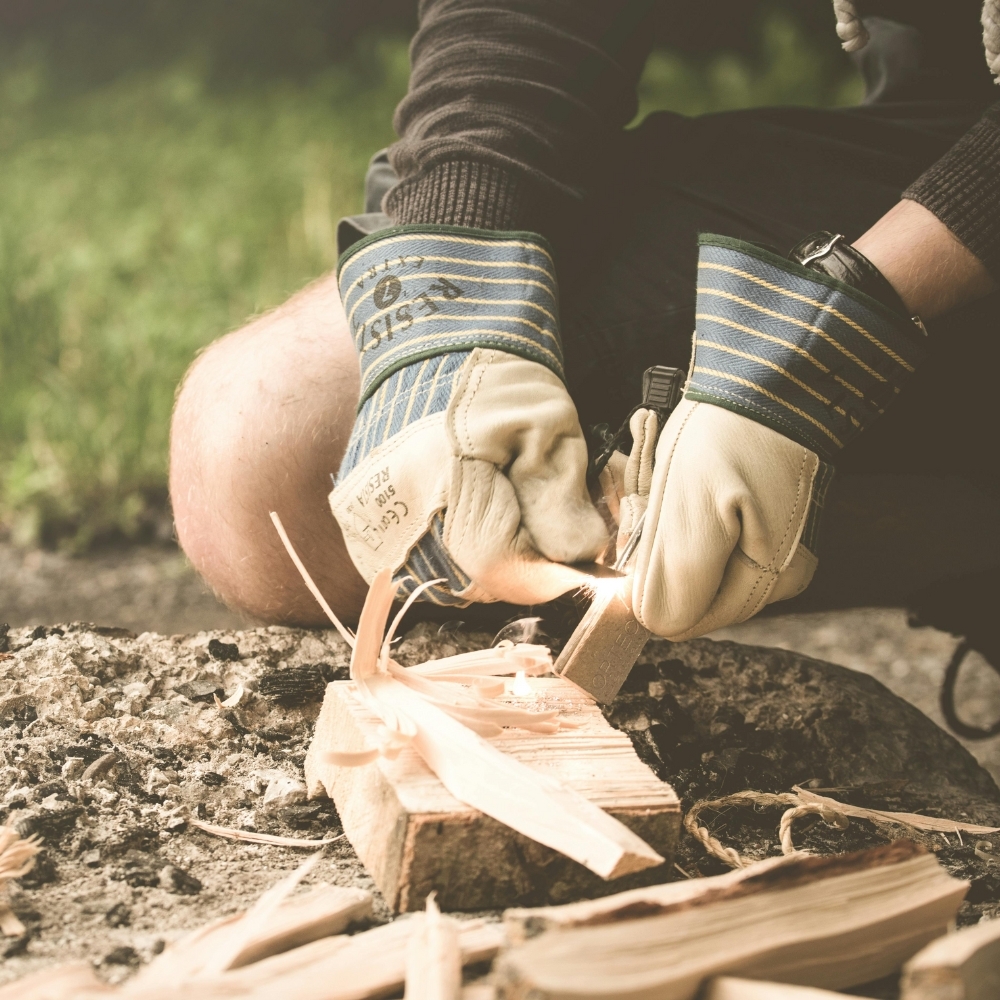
{"type": "Point", "coordinates": [791, 66]}
{"type": "Point", "coordinates": [144, 215]}
{"type": "Point", "coordinates": [138, 222]}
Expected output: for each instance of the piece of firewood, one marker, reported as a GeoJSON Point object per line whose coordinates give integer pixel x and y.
{"type": "Point", "coordinates": [446, 720]}
{"type": "Point", "coordinates": [369, 964]}
{"type": "Point", "coordinates": [603, 648]}
{"type": "Point", "coordinates": [522, 923]}
{"type": "Point", "coordinates": [964, 965]}
{"type": "Point", "coordinates": [356, 967]}
{"type": "Point", "coordinates": [730, 988]}
{"type": "Point", "coordinates": [415, 837]}
{"type": "Point", "coordinates": [323, 911]}
{"type": "Point", "coordinates": [829, 922]}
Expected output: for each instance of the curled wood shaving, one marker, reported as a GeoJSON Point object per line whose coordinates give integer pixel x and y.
{"type": "Point", "coordinates": [445, 683]}
{"type": "Point", "coordinates": [17, 858]}
{"type": "Point", "coordinates": [250, 837]}
{"type": "Point", "coordinates": [234, 699]}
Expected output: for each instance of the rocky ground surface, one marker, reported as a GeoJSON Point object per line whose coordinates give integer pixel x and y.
{"type": "Point", "coordinates": [112, 745]}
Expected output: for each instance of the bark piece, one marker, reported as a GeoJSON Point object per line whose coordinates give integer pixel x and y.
{"type": "Point", "coordinates": [416, 837]}
{"type": "Point", "coordinates": [827, 922]}
{"type": "Point", "coordinates": [960, 966]}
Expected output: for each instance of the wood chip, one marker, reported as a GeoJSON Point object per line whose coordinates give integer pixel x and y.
{"type": "Point", "coordinates": [433, 957]}
{"type": "Point", "coordinates": [17, 858]}
{"type": "Point", "coordinates": [964, 965]}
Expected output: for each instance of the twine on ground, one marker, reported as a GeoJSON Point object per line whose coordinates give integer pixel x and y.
{"type": "Point", "coordinates": [761, 800]}
{"type": "Point", "coordinates": [802, 802]}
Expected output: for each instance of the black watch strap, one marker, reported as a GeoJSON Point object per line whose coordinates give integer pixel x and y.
{"type": "Point", "coordinates": [831, 254]}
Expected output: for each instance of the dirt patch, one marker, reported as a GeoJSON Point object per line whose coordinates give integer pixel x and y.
{"type": "Point", "coordinates": [140, 587]}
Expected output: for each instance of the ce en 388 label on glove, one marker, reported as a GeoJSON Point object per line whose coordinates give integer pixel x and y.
{"type": "Point", "coordinates": [381, 508]}
{"type": "Point", "coordinates": [380, 492]}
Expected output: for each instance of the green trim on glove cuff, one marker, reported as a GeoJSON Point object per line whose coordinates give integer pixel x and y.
{"type": "Point", "coordinates": [418, 292]}
{"type": "Point", "coordinates": [798, 351]}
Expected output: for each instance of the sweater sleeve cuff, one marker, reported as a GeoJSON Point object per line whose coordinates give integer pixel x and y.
{"type": "Point", "coordinates": [462, 193]}
{"type": "Point", "coordinates": [963, 190]}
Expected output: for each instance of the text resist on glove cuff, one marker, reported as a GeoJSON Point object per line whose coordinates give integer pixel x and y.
{"type": "Point", "coordinates": [418, 292]}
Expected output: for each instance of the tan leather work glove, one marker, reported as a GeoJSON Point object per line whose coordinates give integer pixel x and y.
{"type": "Point", "coordinates": [789, 366]}
{"type": "Point", "coordinates": [467, 461]}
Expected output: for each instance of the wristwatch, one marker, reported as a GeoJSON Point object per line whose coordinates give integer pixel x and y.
{"type": "Point", "coordinates": [831, 254]}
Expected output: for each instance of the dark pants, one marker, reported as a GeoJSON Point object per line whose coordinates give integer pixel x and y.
{"type": "Point", "coordinates": [901, 512]}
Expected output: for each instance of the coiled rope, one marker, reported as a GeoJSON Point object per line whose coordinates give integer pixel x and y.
{"type": "Point", "coordinates": [851, 31]}
{"type": "Point", "coordinates": [854, 36]}
{"type": "Point", "coordinates": [829, 813]}
{"type": "Point", "coordinates": [991, 36]}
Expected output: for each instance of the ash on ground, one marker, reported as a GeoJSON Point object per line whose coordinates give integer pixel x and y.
{"type": "Point", "coordinates": [112, 745]}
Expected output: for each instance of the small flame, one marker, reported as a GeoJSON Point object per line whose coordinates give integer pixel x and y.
{"type": "Point", "coordinates": [521, 688]}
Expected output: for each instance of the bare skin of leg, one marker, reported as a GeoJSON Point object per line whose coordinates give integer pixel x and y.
{"type": "Point", "coordinates": [262, 419]}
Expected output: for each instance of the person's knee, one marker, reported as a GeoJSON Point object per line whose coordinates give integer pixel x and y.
{"type": "Point", "coordinates": [261, 421]}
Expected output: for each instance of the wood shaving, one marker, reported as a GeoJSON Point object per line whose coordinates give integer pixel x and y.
{"type": "Point", "coordinates": [250, 837]}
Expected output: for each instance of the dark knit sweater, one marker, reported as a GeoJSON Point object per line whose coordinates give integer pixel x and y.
{"type": "Point", "coordinates": [512, 101]}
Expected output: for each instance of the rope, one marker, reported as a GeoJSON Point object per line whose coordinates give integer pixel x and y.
{"type": "Point", "coordinates": [851, 31]}
{"type": "Point", "coordinates": [853, 34]}
{"type": "Point", "coordinates": [991, 36]}
{"type": "Point", "coordinates": [757, 799]}
{"type": "Point", "coordinates": [829, 814]}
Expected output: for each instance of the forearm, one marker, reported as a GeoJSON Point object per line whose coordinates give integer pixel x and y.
{"type": "Point", "coordinates": [940, 246]}
{"type": "Point", "coordinates": [508, 104]}
{"type": "Point", "coordinates": [927, 265]}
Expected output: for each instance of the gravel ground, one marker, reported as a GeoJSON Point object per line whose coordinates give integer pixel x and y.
{"type": "Point", "coordinates": [110, 744]}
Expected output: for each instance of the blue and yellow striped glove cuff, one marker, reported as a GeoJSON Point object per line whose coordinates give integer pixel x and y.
{"type": "Point", "coordinates": [800, 352]}
{"type": "Point", "coordinates": [418, 292]}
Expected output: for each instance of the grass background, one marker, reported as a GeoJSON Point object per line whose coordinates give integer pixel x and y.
{"type": "Point", "coordinates": [161, 180]}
